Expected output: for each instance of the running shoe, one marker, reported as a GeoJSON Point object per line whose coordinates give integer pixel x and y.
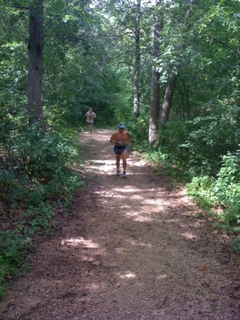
{"type": "Point", "coordinates": [118, 173]}
{"type": "Point", "coordinates": [124, 175]}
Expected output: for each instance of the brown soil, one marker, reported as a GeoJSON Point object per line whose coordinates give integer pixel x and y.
{"type": "Point", "coordinates": [132, 249]}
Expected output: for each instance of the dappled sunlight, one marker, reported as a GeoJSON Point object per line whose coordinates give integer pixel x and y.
{"type": "Point", "coordinates": [127, 275]}
{"type": "Point", "coordinates": [103, 165]}
{"type": "Point", "coordinates": [109, 166]}
{"type": "Point", "coordinates": [132, 193]}
{"type": "Point", "coordinates": [132, 214]}
{"type": "Point", "coordinates": [150, 198]}
{"type": "Point", "coordinates": [134, 248]}
{"type": "Point", "coordinates": [138, 242]}
{"type": "Point", "coordinates": [127, 189]}
{"type": "Point", "coordinates": [88, 250]}
{"type": "Point", "coordinates": [74, 242]}
{"type": "Point", "coordinates": [189, 235]}
{"type": "Point", "coordinates": [142, 218]}
{"type": "Point", "coordinates": [150, 201]}
{"type": "Point", "coordinates": [93, 286]}
{"type": "Point", "coordinates": [162, 276]}
{"type": "Point", "coordinates": [104, 162]}
{"type": "Point", "coordinates": [139, 217]}
{"type": "Point", "coordinates": [147, 222]}
{"type": "Point", "coordinates": [137, 164]}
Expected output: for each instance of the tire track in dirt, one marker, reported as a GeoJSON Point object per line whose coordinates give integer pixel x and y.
{"type": "Point", "coordinates": [132, 249]}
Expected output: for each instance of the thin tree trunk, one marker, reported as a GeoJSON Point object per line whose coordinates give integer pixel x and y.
{"type": "Point", "coordinates": [35, 65]}
{"type": "Point", "coordinates": [154, 107]}
{"type": "Point", "coordinates": [155, 88]}
{"type": "Point", "coordinates": [166, 106]}
{"type": "Point", "coordinates": [137, 61]}
{"type": "Point", "coordinates": [168, 96]}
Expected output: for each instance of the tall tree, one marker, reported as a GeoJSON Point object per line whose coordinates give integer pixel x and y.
{"type": "Point", "coordinates": [155, 88]}
{"type": "Point", "coordinates": [169, 91]}
{"type": "Point", "coordinates": [127, 25]}
{"type": "Point", "coordinates": [137, 60]}
{"type": "Point", "coordinates": [166, 105]}
{"type": "Point", "coordinates": [35, 64]}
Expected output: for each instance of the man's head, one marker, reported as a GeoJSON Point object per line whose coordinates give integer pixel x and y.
{"type": "Point", "coordinates": [90, 109]}
{"type": "Point", "coordinates": [121, 126]}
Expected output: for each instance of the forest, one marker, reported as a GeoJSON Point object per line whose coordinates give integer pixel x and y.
{"type": "Point", "coordinates": [168, 69]}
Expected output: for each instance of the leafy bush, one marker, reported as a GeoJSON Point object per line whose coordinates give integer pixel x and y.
{"type": "Point", "coordinates": [37, 218]}
{"type": "Point", "coordinates": [139, 132]}
{"type": "Point", "coordinates": [199, 189]}
{"type": "Point", "coordinates": [224, 192]}
{"type": "Point", "coordinates": [33, 160]}
{"type": "Point", "coordinates": [13, 249]}
{"type": "Point", "coordinates": [199, 144]}
{"type": "Point", "coordinates": [37, 169]}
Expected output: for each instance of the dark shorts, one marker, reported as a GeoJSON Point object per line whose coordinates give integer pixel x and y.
{"type": "Point", "coordinates": [119, 149]}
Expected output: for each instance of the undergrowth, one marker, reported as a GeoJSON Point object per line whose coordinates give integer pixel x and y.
{"type": "Point", "coordinates": [37, 180]}
{"type": "Point", "coordinates": [218, 196]}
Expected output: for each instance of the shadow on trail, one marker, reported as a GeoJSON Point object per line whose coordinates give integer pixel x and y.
{"type": "Point", "coordinates": [146, 247]}
{"type": "Point", "coordinates": [132, 250]}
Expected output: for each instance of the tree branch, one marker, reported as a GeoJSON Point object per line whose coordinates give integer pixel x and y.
{"type": "Point", "coordinates": [236, 50]}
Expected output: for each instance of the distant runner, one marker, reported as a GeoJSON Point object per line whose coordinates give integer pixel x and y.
{"type": "Point", "coordinates": [90, 115]}
{"type": "Point", "coordinates": [120, 139]}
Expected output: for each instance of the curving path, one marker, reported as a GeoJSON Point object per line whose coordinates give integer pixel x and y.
{"type": "Point", "coordinates": [132, 249]}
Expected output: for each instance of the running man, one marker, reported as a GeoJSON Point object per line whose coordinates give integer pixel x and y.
{"type": "Point", "coordinates": [120, 139]}
{"type": "Point", "coordinates": [90, 115]}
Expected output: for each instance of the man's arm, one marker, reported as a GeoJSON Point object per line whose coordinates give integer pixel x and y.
{"type": "Point", "coordinates": [113, 138]}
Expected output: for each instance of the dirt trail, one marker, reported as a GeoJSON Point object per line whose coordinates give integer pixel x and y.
{"type": "Point", "coordinates": [133, 249]}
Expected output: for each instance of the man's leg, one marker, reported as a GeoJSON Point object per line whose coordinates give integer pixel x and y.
{"type": "Point", "coordinates": [118, 157]}
{"type": "Point", "coordinates": [124, 161]}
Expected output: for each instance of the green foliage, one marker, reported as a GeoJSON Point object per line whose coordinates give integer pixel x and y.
{"type": "Point", "coordinates": [37, 218]}
{"type": "Point", "coordinates": [235, 244]}
{"type": "Point", "coordinates": [38, 160]}
{"type": "Point", "coordinates": [40, 150]}
{"type": "Point", "coordinates": [199, 144]}
{"type": "Point", "coordinates": [138, 129]}
{"type": "Point", "coordinates": [223, 192]}
{"type": "Point", "coordinates": [199, 189]}
{"type": "Point", "coordinates": [80, 68]}
{"type": "Point", "coordinates": [226, 191]}
{"type": "Point", "coordinates": [89, 62]}
{"type": "Point", "coordinates": [202, 135]}
{"type": "Point", "coordinates": [38, 169]}
{"type": "Point", "coordinates": [13, 250]}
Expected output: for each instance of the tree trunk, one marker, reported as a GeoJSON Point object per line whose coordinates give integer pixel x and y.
{"type": "Point", "coordinates": [137, 61]}
{"type": "Point", "coordinates": [154, 107]}
{"type": "Point", "coordinates": [155, 88]}
{"type": "Point", "coordinates": [166, 106]}
{"type": "Point", "coordinates": [35, 64]}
